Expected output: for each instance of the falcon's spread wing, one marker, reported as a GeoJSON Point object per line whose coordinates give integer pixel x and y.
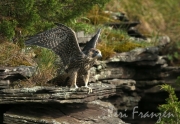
{"type": "Point", "coordinates": [92, 42]}
{"type": "Point", "coordinates": [62, 40]}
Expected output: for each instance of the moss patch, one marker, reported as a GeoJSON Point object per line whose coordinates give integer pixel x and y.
{"type": "Point", "coordinates": [125, 46]}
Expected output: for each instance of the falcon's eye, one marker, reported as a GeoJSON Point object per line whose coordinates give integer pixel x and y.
{"type": "Point", "coordinates": [96, 52]}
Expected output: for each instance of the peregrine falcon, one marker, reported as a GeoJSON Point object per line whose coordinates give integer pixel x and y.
{"type": "Point", "coordinates": [63, 41]}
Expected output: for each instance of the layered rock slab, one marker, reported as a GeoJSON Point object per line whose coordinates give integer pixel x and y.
{"type": "Point", "coordinates": [91, 113]}
{"type": "Point", "coordinates": [56, 94]}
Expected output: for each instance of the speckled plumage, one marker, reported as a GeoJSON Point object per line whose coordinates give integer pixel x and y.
{"type": "Point", "coordinates": [62, 40]}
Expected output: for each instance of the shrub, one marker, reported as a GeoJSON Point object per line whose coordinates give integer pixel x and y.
{"type": "Point", "coordinates": [28, 17]}
{"type": "Point", "coordinates": [172, 106]}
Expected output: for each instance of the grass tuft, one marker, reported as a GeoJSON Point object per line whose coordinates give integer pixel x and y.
{"type": "Point", "coordinates": [47, 69]}
{"type": "Point", "coordinates": [107, 51]}
{"type": "Point", "coordinates": [12, 55]}
{"type": "Point", "coordinates": [98, 16]}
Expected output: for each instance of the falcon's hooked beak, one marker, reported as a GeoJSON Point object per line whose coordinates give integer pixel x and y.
{"type": "Point", "coordinates": [99, 55]}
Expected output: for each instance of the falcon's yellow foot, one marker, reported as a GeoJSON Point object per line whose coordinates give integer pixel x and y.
{"type": "Point", "coordinates": [74, 88]}
{"type": "Point", "coordinates": [90, 89]}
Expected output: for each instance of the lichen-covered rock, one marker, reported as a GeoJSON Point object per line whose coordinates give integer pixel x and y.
{"type": "Point", "coordinates": [139, 54]}
{"type": "Point", "coordinates": [123, 25]}
{"type": "Point", "coordinates": [16, 73]}
{"type": "Point", "coordinates": [161, 60]}
{"type": "Point", "coordinates": [4, 84]}
{"type": "Point", "coordinates": [119, 72]}
{"type": "Point", "coordinates": [163, 40]}
{"type": "Point", "coordinates": [124, 84]}
{"type": "Point", "coordinates": [56, 94]}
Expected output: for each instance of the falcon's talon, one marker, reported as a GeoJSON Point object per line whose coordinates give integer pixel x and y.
{"type": "Point", "coordinates": [90, 89]}
{"type": "Point", "coordinates": [73, 88]}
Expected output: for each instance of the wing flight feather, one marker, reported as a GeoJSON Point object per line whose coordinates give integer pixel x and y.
{"type": "Point", "coordinates": [62, 40]}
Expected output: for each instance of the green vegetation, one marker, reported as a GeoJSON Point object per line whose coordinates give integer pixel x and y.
{"type": "Point", "coordinates": [80, 24]}
{"type": "Point", "coordinates": [27, 17]}
{"type": "Point", "coordinates": [172, 107]}
{"type": "Point", "coordinates": [46, 65]}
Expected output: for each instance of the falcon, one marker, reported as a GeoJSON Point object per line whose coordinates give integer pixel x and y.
{"type": "Point", "coordinates": [63, 41]}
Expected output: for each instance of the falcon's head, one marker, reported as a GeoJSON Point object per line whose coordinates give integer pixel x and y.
{"type": "Point", "coordinates": [94, 53]}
